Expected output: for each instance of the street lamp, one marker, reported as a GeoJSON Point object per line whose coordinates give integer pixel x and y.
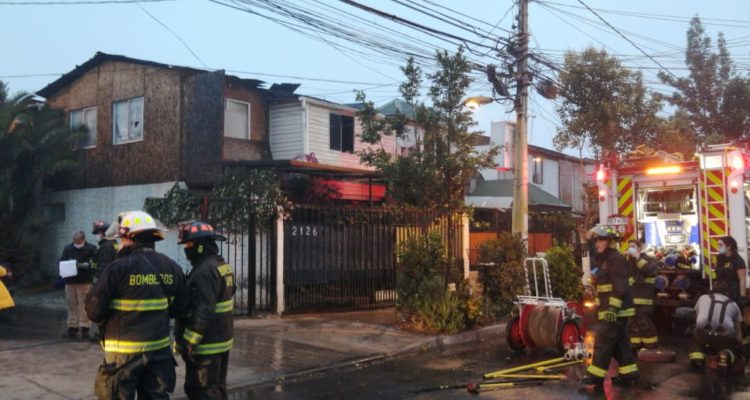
{"type": "Point", "coordinates": [474, 102]}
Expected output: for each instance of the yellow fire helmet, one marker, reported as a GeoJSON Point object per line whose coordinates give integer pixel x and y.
{"type": "Point", "coordinates": [136, 222]}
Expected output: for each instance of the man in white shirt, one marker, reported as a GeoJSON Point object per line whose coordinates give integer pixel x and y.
{"type": "Point", "coordinates": [717, 327]}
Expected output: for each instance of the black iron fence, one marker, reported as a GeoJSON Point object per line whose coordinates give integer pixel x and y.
{"type": "Point", "coordinates": [250, 249]}
{"type": "Point", "coordinates": [345, 258]}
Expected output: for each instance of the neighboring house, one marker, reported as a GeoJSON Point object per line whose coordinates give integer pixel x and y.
{"type": "Point", "coordinates": [559, 175]}
{"type": "Point", "coordinates": [306, 125]}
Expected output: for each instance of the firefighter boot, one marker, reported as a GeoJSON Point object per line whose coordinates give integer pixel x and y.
{"type": "Point", "coordinates": [625, 380]}
{"type": "Point", "coordinates": [725, 361]}
{"type": "Point", "coordinates": [84, 333]}
{"type": "Point", "coordinates": [70, 333]}
{"type": "Point", "coordinates": [591, 384]}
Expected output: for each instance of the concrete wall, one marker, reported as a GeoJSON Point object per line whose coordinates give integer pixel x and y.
{"type": "Point", "coordinates": [83, 206]}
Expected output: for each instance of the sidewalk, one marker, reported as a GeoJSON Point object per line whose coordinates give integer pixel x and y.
{"type": "Point", "coordinates": [37, 364]}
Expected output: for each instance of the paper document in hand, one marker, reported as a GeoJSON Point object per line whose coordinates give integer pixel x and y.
{"type": "Point", "coordinates": [68, 268]}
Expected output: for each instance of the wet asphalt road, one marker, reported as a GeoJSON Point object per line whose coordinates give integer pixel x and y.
{"type": "Point", "coordinates": [402, 378]}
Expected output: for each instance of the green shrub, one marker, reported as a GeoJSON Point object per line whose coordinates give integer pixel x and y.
{"type": "Point", "coordinates": [564, 273]}
{"type": "Point", "coordinates": [505, 279]}
{"type": "Point", "coordinates": [421, 282]}
{"type": "Point", "coordinates": [422, 262]}
{"type": "Point", "coordinates": [443, 313]}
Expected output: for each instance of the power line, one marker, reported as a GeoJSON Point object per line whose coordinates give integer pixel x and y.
{"type": "Point", "coordinates": [628, 39]}
{"type": "Point", "coordinates": [662, 17]}
{"type": "Point", "coordinates": [173, 34]}
{"type": "Point", "coordinates": [76, 2]}
{"type": "Point", "coordinates": [18, 76]}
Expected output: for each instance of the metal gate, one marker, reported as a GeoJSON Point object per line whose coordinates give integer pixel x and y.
{"type": "Point", "coordinates": [344, 258]}
{"type": "Point", "coordinates": [250, 249]}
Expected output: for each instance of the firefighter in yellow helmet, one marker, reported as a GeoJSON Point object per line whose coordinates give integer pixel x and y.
{"type": "Point", "coordinates": [615, 306]}
{"type": "Point", "coordinates": [205, 335]}
{"type": "Point", "coordinates": [133, 301]}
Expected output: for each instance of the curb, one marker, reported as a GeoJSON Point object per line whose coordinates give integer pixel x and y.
{"type": "Point", "coordinates": [435, 342]}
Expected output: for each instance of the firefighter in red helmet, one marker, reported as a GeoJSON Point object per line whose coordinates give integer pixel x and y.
{"type": "Point", "coordinates": [205, 335]}
{"type": "Point", "coordinates": [615, 307]}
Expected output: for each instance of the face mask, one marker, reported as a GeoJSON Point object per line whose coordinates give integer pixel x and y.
{"type": "Point", "coordinates": [78, 246]}
{"type": "Point", "coordinates": [194, 252]}
{"type": "Point", "coordinates": [633, 251]}
{"type": "Point", "coordinates": [723, 249]}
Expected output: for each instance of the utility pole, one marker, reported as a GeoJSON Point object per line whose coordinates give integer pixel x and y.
{"type": "Point", "coordinates": [521, 164]}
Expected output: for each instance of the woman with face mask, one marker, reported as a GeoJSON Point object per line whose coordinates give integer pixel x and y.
{"type": "Point", "coordinates": [730, 267]}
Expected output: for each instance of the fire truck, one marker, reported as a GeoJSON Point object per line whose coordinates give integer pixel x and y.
{"type": "Point", "coordinates": [679, 209]}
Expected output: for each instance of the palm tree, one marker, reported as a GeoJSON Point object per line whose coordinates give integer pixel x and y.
{"type": "Point", "coordinates": [35, 144]}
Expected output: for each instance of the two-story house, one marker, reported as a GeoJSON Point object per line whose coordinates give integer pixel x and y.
{"type": "Point", "coordinates": [555, 179]}
{"type": "Point", "coordinates": [152, 125]}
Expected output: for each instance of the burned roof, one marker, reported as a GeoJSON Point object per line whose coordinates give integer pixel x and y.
{"type": "Point", "coordinates": [101, 58]}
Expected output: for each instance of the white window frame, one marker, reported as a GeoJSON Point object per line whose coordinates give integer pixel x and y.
{"type": "Point", "coordinates": [114, 120]}
{"type": "Point", "coordinates": [249, 118]}
{"type": "Point", "coordinates": [83, 119]}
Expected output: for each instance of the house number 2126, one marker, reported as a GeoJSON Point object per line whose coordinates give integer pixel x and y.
{"type": "Point", "coordinates": [304, 231]}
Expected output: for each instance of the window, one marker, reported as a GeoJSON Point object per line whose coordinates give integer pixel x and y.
{"type": "Point", "coordinates": [342, 133]}
{"type": "Point", "coordinates": [127, 121]}
{"type": "Point", "coordinates": [85, 117]}
{"type": "Point", "coordinates": [538, 171]}
{"type": "Point", "coordinates": [54, 212]}
{"type": "Point", "coordinates": [237, 119]}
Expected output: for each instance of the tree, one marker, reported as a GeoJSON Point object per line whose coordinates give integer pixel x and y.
{"type": "Point", "coordinates": [714, 98]}
{"type": "Point", "coordinates": [605, 106]}
{"type": "Point", "coordinates": [36, 144]}
{"type": "Point", "coordinates": [441, 160]}
{"type": "Point", "coordinates": [676, 136]}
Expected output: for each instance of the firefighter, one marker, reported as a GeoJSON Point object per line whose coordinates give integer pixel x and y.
{"type": "Point", "coordinates": [105, 254]}
{"type": "Point", "coordinates": [615, 304]}
{"type": "Point", "coordinates": [107, 250]}
{"type": "Point", "coordinates": [717, 327]}
{"type": "Point", "coordinates": [643, 269]}
{"type": "Point", "coordinates": [132, 302]}
{"type": "Point", "coordinates": [204, 336]}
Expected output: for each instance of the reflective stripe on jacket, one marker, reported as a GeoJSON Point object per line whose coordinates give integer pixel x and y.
{"type": "Point", "coordinates": [208, 324]}
{"type": "Point", "coordinates": [134, 299]}
{"type": "Point", "coordinates": [612, 286]}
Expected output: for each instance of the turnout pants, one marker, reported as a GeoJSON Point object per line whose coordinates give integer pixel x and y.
{"type": "Point", "coordinates": [612, 342]}
{"type": "Point", "coordinates": [75, 294]}
{"type": "Point", "coordinates": [642, 330]}
{"type": "Point", "coordinates": [707, 342]}
{"type": "Point", "coordinates": [149, 375]}
{"type": "Point", "coordinates": [206, 378]}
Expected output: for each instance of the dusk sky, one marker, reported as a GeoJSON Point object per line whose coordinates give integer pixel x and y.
{"type": "Point", "coordinates": [43, 41]}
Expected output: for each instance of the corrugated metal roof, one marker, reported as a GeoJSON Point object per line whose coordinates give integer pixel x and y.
{"type": "Point", "coordinates": [396, 105]}
{"type": "Point", "coordinates": [503, 188]}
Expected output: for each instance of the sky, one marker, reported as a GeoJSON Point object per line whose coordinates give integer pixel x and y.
{"type": "Point", "coordinates": [43, 41]}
